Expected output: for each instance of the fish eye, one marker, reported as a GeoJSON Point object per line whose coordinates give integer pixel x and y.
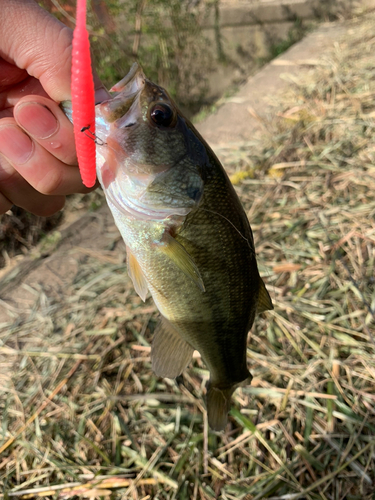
{"type": "Point", "coordinates": [162, 114]}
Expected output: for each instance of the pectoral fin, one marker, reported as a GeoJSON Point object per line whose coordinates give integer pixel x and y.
{"type": "Point", "coordinates": [170, 354]}
{"type": "Point", "coordinates": [264, 300]}
{"type": "Point", "coordinates": [178, 254]}
{"type": "Point", "coordinates": [136, 275]}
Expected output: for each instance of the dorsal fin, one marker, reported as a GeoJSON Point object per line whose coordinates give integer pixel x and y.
{"type": "Point", "coordinates": [170, 354]}
{"type": "Point", "coordinates": [136, 274]}
{"type": "Point", "coordinates": [264, 299]}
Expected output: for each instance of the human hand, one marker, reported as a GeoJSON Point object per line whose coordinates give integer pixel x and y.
{"type": "Point", "coordinates": [37, 168]}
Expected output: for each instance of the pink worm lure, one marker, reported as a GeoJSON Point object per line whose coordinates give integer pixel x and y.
{"type": "Point", "coordinates": [83, 99]}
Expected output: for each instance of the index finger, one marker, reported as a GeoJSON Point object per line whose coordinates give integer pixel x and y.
{"type": "Point", "coordinates": [35, 41]}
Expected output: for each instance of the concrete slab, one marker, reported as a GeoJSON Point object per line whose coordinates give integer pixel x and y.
{"type": "Point", "coordinates": [264, 12]}
{"type": "Point", "coordinates": [234, 120]}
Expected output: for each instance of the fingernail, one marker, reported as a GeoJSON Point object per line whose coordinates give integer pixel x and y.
{"type": "Point", "coordinates": [37, 120]}
{"type": "Point", "coordinates": [15, 145]}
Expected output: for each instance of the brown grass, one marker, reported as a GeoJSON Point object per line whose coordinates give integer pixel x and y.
{"type": "Point", "coordinates": [83, 416]}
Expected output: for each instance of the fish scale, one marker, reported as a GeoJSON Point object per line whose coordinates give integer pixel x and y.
{"type": "Point", "coordinates": [188, 239]}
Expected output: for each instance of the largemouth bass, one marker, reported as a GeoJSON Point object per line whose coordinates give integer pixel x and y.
{"type": "Point", "coordinates": [188, 239]}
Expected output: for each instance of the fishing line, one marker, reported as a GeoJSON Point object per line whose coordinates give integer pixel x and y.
{"type": "Point", "coordinates": [231, 223]}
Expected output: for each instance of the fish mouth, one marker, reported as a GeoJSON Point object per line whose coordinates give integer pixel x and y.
{"type": "Point", "coordinates": [132, 82]}
{"type": "Point", "coordinates": [129, 88]}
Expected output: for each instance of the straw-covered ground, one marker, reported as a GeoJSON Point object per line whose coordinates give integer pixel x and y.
{"type": "Point", "coordinates": [83, 416]}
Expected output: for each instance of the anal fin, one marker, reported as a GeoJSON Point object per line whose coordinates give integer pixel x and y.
{"type": "Point", "coordinates": [264, 299]}
{"type": "Point", "coordinates": [170, 354]}
{"type": "Point", "coordinates": [136, 275]}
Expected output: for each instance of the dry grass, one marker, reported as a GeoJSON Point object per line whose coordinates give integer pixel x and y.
{"type": "Point", "coordinates": [20, 231]}
{"type": "Point", "coordinates": [83, 416]}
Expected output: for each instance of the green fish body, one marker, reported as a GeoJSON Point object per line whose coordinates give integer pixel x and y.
{"type": "Point", "coordinates": [188, 239]}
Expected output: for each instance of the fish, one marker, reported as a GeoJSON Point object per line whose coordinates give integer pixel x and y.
{"type": "Point", "coordinates": [188, 239]}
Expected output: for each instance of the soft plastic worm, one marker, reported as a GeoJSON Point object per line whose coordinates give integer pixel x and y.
{"type": "Point", "coordinates": [83, 100]}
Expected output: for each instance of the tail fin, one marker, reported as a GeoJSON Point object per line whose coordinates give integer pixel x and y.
{"type": "Point", "coordinates": [218, 402]}
{"type": "Point", "coordinates": [218, 406]}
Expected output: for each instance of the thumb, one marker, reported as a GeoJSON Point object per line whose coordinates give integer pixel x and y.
{"type": "Point", "coordinates": [35, 41]}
